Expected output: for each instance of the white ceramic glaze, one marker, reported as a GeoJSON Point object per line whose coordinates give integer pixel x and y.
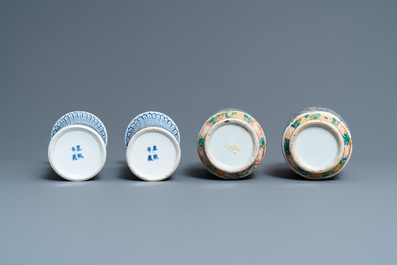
{"type": "Point", "coordinates": [153, 154]}
{"type": "Point", "coordinates": [231, 145]}
{"type": "Point", "coordinates": [77, 152]}
{"type": "Point", "coordinates": [316, 147]}
{"type": "Point", "coordinates": [153, 151]}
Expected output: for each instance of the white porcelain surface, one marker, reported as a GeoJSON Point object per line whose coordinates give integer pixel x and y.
{"type": "Point", "coordinates": [231, 146]}
{"type": "Point", "coordinates": [153, 154]}
{"type": "Point", "coordinates": [316, 147]}
{"type": "Point", "coordinates": [77, 152]}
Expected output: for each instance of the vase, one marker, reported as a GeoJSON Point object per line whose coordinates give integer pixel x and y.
{"type": "Point", "coordinates": [317, 143]}
{"type": "Point", "coordinates": [153, 150]}
{"type": "Point", "coordinates": [77, 150]}
{"type": "Point", "coordinates": [231, 144]}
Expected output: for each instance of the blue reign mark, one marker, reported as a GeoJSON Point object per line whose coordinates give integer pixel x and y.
{"type": "Point", "coordinates": [77, 153]}
{"type": "Point", "coordinates": [153, 155]}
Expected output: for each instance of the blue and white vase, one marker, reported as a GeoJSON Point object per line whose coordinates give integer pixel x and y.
{"type": "Point", "coordinates": [77, 150]}
{"type": "Point", "coordinates": [153, 152]}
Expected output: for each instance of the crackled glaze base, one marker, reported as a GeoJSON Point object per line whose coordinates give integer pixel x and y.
{"type": "Point", "coordinates": [231, 144]}
{"type": "Point", "coordinates": [317, 143]}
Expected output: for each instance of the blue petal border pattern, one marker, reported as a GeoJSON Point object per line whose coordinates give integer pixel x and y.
{"type": "Point", "coordinates": [82, 118]}
{"type": "Point", "coordinates": [151, 119]}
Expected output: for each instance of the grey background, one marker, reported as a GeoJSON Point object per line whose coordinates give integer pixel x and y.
{"type": "Point", "coordinates": [189, 59]}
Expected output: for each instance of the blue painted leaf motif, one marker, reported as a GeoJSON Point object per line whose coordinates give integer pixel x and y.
{"type": "Point", "coordinates": [151, 119]}
{"type": "Point", "coordinates": [346, 138]}
{"type": "Point", "coordinates": [81, 118]}
{"type": "Point", "coordinates": [303, 172]}
{"type": "Point", "coordinates": [286, 147]}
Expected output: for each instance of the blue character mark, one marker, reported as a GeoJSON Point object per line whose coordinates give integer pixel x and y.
{"type": "Point", "coordinates": [77, 153]}
{"type": "Point", "coordinates": [152, 153]}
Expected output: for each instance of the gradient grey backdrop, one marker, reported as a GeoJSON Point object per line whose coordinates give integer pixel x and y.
{"type": "Point", "coordinates": [188, 59]}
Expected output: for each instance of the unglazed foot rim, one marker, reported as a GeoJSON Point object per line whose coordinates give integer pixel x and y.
{"type": "Point", "coordinates": [247, 127]}
{"type": "Point", "coordinates": [60, 133]}
{"type": "Point", "coordinates": [333, 130]}
{"type": "Point", "coordinates": [153, 129]}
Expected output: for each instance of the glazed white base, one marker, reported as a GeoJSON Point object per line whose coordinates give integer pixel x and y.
{"type": "Point", "coordinates": [87, 158]}
{"type": "Point", "coordinates": [316, 147]}
{"type": "Point", "coordinates": [231, 146]}
{"type": "Point", "coordinates": [167, 154]}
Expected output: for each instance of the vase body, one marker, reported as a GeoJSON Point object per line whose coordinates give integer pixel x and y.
{"type": "Point", "coordinates": [317, 143]}
{"type": "Point", "coordinates": [231, 144]}
{"type": "Point", "coordinates": [77, 150]}
{"type": "Point", "coordinates": [153, 152]}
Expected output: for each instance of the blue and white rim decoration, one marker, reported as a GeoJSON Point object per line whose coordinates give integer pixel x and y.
{"type": "Point", "coordinates": [151, 119]}
{"type": "Point", "coordinates": [82, 118]}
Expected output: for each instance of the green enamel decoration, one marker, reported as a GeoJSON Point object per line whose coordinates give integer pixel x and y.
{"type": "Point", "coordinates": [212, 120]}
{"type": "Point", "coordinates": [262, 142]}
{"type": "Point", "coordinates": [346, 138]}
{"type": "Point", "coordinates": [297, 123]}
{"type": "Point", "coordinates": [247, 118]}
{"type": "Point", "coordinates": [303, 172]}
{"type": "Point", "coordinates": [201, 142]}
{"type": "Point", "coordinates": [286, 147]}
{"type": "Point", "coordinates": [326, 174]}
{"type": "Point", "coordinates": [307, 116]}
{"type": "Point", "coordinates": [315, 116]}
{"type": "Point", "coordinates": [334, 121]}
{"type": "Point", "coordinates": [212, 168]}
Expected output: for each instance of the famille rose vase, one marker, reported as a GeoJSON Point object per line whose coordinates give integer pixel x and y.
{"type": "Point", "coordinates": [317, 143]}
{"type": "Point", "coordinates": [231, 144]}
{"type": "Point", "coordinates": [153, 151]}
{"type": "Point", "coordinates": [77, 150]}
